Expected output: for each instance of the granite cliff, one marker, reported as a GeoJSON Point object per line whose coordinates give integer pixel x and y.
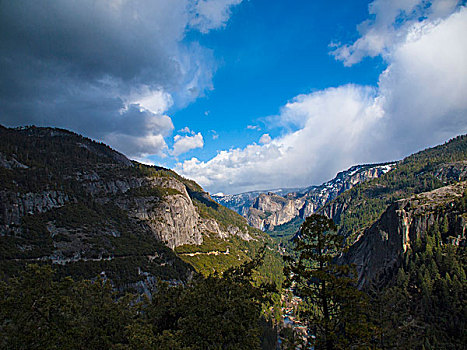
{"type": "Point", "coordinates": [270, 209]}
{"type": "Point", "coordinates": [380, 248]}
{"type": "Point", "coordinates": [67, 200]}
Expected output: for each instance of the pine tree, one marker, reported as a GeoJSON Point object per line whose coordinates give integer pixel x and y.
{"type": "Point", "coordinates": [332, 306]}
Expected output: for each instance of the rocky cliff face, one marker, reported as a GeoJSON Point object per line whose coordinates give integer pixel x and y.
{"type": "Point", "coordinates": [270, 210]}
{"type": "Point", "coordinates": [380, 248]}
{"type": "Point", "coordinates": [455, 171]}
{"type": "Point", "coordinates": [13, 206]}
{"type": "Point", "coordinates": [65, 198]}
{"type": "Point", "coordinates": [265, 211]}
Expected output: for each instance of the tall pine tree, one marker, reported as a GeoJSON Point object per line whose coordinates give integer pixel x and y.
{"type": "Point", "coordinates": [332, 307]}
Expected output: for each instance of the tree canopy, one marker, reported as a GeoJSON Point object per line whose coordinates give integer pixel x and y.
{"type": "Point", "coordinates": [39, 312]}
{"type": "Point", "coordinates": [332, 307]}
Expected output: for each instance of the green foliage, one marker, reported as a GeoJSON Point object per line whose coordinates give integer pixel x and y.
{"type": "Point", "coordinates": [211, 243]}
{"type": "Point", "coordinates": [200, 319]}
{"type": "Point", "coordinates": [331, 304]}
{"type": "Point", "coordinates": [424, 305]}
{"type": "Point", "coordinates": [152, 191]}
{"type": "Point", "coordinates": [50, 154]}
{"type": "Point", "coordinates": [216, 255]}
{"type": "Point", "coordinates": [39, 312]}
{"type": "Point", "coordinates": [225, 217]}
{"type": "Point", "coordinates": [126, 270]}
{"type": "Point", "coordinates": [285, 232]}
{"type": "Point", "coordinates": [366, 202]}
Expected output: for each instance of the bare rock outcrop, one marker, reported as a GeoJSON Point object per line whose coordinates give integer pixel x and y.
{"type": "Point", "coordinates": [176, 221]}
{"type": "Point", "coordinates": [270, 209]}
{"type": "Point", "coordinates": [380, 247]}
{"type": "Point", "coordinates": [13, 206]}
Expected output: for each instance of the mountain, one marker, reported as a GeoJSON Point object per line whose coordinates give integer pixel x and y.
{"type": "Point", "coordinates": [405, 233]}
{"type": "Point", "coordinates": [359, 207]}
{"type": "Point", "coordinates": [404, 223]}
{"type": "Point", "coordinates": [281, 211]}
{"type": "Point", "coordinates": [382, 218]}
{"type": "Point", "coordinates": [87, 209]}
{"type": "Point", "coordinates": [243, 201]}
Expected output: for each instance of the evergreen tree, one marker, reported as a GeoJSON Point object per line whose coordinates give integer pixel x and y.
{"type": "Point", "coordinates": [332, 306]}
{"type": "Point", "coordinates": [39, 312]}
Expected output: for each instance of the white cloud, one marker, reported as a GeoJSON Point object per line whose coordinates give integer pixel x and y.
{"type": "Point", "coordinates": [265, 138]}
{"type": "Point", "coordinates": [142, 146]}
{"type": "Point", "coordinates": [424, 88]}
{"type": "Point", "coordinates": [420, 101]}
{"type": "Point", "coordinates": [140, 132]}
{"type": "Point", "coordinates": [253, 127]}
{"type": "Point", "coordinates": [156, 101]}
{"type": "Point", "coordinates": [186, 130]}
{"type": "Point", "coordinates": [211, 14]}
{"type": "Point", "coordinates": [183, 144]}
{"type": "Point", "coordinates": [145, 160]}
{"type": "Point", "coordinates": [390, 23]}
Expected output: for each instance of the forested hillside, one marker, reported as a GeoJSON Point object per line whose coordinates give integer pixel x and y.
{"type": "Point", "coordinates": [88, 210]}
{"type": "Point", "coordinates": [424, 171]}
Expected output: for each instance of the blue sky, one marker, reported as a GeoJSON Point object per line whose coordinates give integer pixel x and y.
{"type": "Point", "coordinates": [268, 53]}
{"type": "Point", "coordinates": [240, 94]}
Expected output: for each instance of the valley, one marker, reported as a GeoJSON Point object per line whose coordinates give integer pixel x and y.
{"type": "Point", "coordinates": [73, 208]}
{"type": "Point", "coordinates": [280, 211]}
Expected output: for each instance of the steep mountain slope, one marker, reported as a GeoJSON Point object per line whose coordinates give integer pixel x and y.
{"type": "Point", "coordinates": [405, 224]}
{"type": "Point", "coordinates": [361, 206]}
{"type": "Point", "coordinates": [67, 200]}
{"type": "Point", "coordinates": [282, 211]}
{"type": "Point", "coordinates": [242, 202]}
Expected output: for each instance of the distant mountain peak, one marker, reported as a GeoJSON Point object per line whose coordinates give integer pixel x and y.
{"type": "Point", "coordinates": [268, 209]}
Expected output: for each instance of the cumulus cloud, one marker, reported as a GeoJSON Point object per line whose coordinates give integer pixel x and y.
{"type": "Point", "coordinates": [183, 144]}
{"type": "Point", "coordinates": [390, 23]}
{"type": "Point", "coordinates": [155, 101]}
{"type": "Point", "coordinates": [265, 138]}
{"type": "Point", "coordinates": [108, 69]}
{"type": "Point", "coordinates": [312, 152]}
{"type": "Point", "coordinates": [420, 101]}
{"type": "Point", "coordinates": [423, 91]}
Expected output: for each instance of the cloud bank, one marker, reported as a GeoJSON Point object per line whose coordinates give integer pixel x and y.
{"type": "Point", "coordinates": [420, 101]}
{"type": "Point", "coordinates": [108, 69]}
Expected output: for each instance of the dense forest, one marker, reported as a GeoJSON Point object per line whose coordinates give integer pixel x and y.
{"type": "Point", "coordinates": [421, 307]}
{"type": "Point", "coordinates": [40, 311]}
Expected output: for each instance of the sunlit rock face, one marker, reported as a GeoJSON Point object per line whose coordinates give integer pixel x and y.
{"type": "Point", "coordinates": [267, 210]}
{"type": "Point", "coordinates": [65, 198]}
{"type": "Point", "coordinates": [381, 246]}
